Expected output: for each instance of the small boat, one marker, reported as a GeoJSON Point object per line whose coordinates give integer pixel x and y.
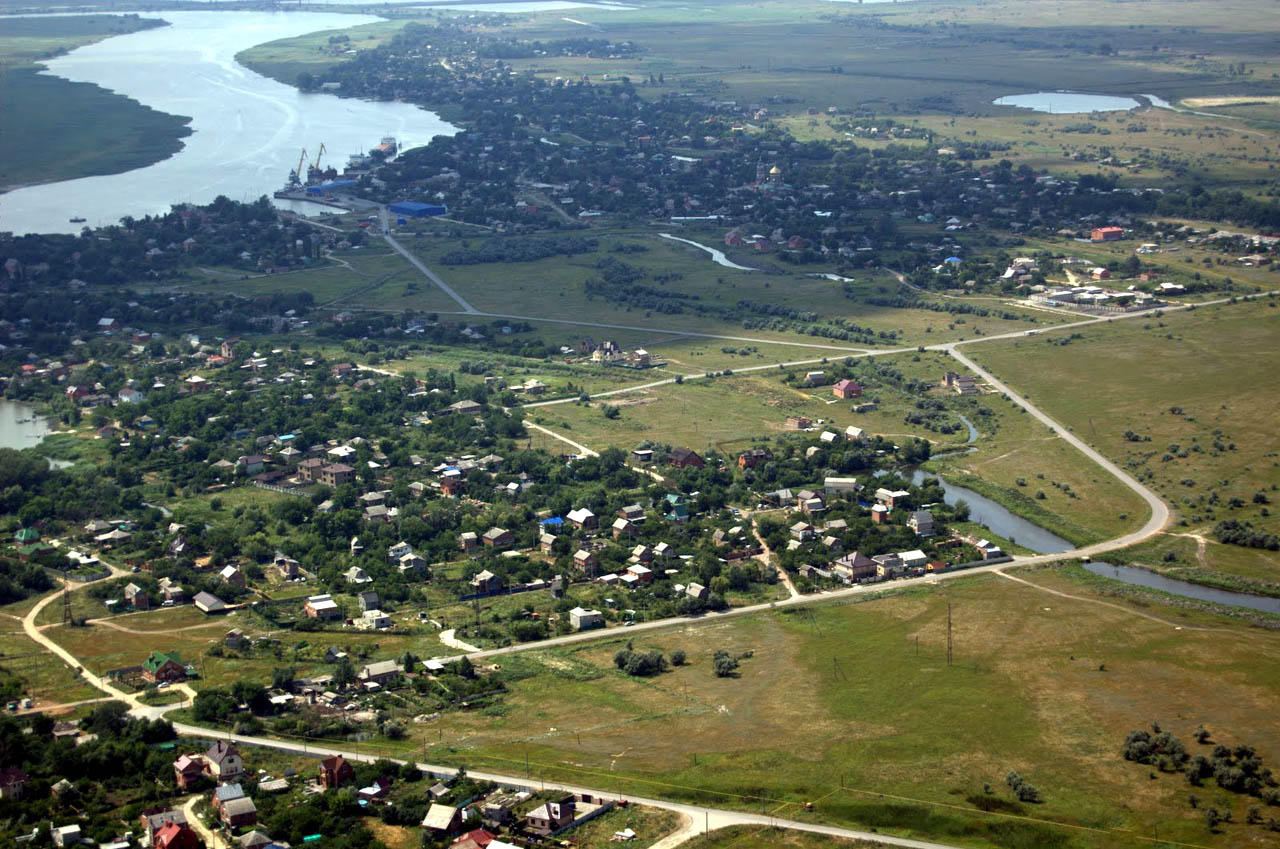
{"type": "Point", "coordinates": [78, 220]}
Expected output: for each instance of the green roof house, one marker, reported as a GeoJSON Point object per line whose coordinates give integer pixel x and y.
{"type": "Point", "coordinates": [26, 536]}
{"type": "Point", "coordinates": [164, 666]}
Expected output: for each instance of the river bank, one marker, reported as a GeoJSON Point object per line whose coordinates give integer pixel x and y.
{"type": "Point", "coordinates": [56, 129]}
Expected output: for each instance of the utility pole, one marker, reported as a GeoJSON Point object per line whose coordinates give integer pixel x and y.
{"type": "Point", "coordinates": [948, 633]}
{"type": "Point", "coordinates": [66, 606]}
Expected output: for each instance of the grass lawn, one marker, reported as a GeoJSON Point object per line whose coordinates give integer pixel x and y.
{"type": "Point", "coordinates": [649, 824]}
{"type": "Point", "coordinates": [43, 677]}
{"type": "Point", "coordinates": [1185, 404]}
{"type": "Point", "coordinates": [1041, 684]}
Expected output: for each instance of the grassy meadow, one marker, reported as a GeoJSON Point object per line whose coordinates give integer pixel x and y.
{"type": "Point", "coordinates": [843, 708]}
{"type": "Point", "coordinates": [1183, 406]}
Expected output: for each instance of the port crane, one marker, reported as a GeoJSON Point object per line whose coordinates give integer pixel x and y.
{"type": "Point", "coordinates": [296, 176]}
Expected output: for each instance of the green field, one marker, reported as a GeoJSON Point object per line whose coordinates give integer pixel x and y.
{"type": "Point", "coordinates": [761, 837]}
{"type": "Point", "coordinates": [1181, 400]}
{"type": "Point", "coordinates": [60, 130]}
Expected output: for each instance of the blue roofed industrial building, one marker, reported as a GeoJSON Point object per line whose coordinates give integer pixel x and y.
{"type": "Point", "coordinates": [416, 209]}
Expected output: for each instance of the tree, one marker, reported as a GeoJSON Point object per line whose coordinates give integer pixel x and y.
{"type": "Point", "coordinates": [344, 674]}
{"type": "Point", "coordinates": [677, 657]}
{"type": "Point", "coordinates": [306, 81]}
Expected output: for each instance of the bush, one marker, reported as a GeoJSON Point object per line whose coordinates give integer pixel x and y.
{"type": "Point", "coordinates": [678, 657]}
{"type": "Point", "coordinates": [724, 664]}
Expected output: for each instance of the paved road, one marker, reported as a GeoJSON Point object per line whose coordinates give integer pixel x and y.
{"type": "Point", "coordinates": [418, 264]}
{"type": "Point", "coordinates": [707, 818]}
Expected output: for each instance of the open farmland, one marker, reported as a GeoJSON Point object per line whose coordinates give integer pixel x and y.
{"type": "Point", "coordinates": [809, 716]}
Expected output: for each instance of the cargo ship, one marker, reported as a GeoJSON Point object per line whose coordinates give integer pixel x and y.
{"type": "Point", "coordinates": [388, 146]}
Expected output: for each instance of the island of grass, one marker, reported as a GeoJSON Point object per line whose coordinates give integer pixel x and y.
{"type": "Point", "coordinates": [56, 129]}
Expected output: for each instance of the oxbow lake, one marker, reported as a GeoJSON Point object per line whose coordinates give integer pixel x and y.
{"type": "Point", "coordinates": [1064, 102]}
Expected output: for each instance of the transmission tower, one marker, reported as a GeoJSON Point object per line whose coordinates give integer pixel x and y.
{"type": "Point", "coordinates": [948, 633]}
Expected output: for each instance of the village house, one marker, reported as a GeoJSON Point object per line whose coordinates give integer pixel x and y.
{"type": "Point", "coordinates": [383, 672]}
{"type": "Point", "coordinates": [685, 458]}
{"type": "Point", "coordinates": [546, 543]}
{"type": "Point", "coordinates": [551, 817]}
{"type": "Point", "coordinates": [846, 389]}
{"type": "Point", "coordinates": [854, 567]}
{"type": "Point", "coordinates": [174, 836]}
{"type": "Point", "coordinates": [232, 576]}
{"type": "Point", "coordinates": [187, 770]}
{"type": "Point", "coordinates": [961, 384]}
{"type": "Point", "coordinates": [623, 528]}
{"type": "Point", "coordinates": [586, 562]}
{"type": "Point", "coordinates": [208, 603]}
{"type": "Point", "coordinates": [13, 782]}
{"type": "Point", "coordinates": [442, 819]}
{"type": "Point", "coordinates": [335, 771]}
{"type": "Point", "coordinates": [582, 619]}
{"type": "Point", "coordinates": [801, 531]}
{"type": "Point", "coordinates": [486, 583]}
{"type": "Point", "coordinates": [499, 538]}
{"type": "Point", "coordinates": [815, 378]}
{"type": "Point", "coordinates": [368, 600]}
{"type": "Point", "coordinates": [582, 518]}
{"type": "Point", "coordinates": [892, 498]}
{"type": "Point", "coordinates": [854, 434]}
{"type": "Point", "coordinates": [468, 541]}
{"type": "Point", "coordinates": [154, 819]}
{"type": "Point", "coordinates": [321, 607]}
{"type": "Point", "coordinates": [136, 597]}
{"type": "Point", "coordinates": [164, 666]}
{"type": "Point", "coordinates": [337, 474]}
{"type": "Point", "coordinates": [697, 592]}
{"type": "Point", "coordinates": [754, 457]}
{"type": "Point", "coordinates": [799, 423]}
{"type": "Point", "coordinates": [223, 762]}
{"type": "Point", "coordinates": [921, 521]}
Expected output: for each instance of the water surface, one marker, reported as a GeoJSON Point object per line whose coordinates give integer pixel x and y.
{"type": "Point", "coordinates": [998, 518]}
{"type": "Point", "coordinates": [1062, 102]}
{"type": "Point", "coordinates": [20, 427]}
{"type": "Point", "coordinates": [248, 131]}
{"type": "Point", "coordinates": [1186, 589]}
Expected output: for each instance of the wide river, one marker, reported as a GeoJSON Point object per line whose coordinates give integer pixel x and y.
{"type": "Point", "coordinates": [247, 130]}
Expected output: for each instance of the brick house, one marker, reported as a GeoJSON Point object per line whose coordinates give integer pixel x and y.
{"type": "Point", "coordinates": [335, 771]}
{"type": "Point", "coordinates": [174, 836]}
{"type": "Point", "coordinates": [164, 666]}
{"type": "Point", "coordinates": [187, 770]}
{"type": "Point", "coordinates": [846, 389]}
{"type": "Point", "coordinates": [684, 458]}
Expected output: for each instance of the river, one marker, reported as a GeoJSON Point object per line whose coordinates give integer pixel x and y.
{"type": "Point", "coordinates": [1186, 589]}
{"type": "Point", "coordinates": [998, 518]}
{"type": "Point", "coordinates": [717, 256]}
{"type": "Point", "coordinates": [248, 130]}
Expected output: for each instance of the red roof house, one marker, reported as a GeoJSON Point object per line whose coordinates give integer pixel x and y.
{"type": "Point", "coordinates": [175, 836]}
{"type": "Point", "coordinates": [335, 771]}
